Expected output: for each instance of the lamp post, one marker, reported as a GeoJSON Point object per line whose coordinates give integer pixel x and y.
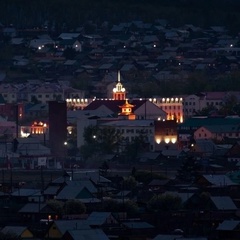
{"type": "Point", "coordinates": [65, 153]}
{"type": "Point", "coordinates": [49, 218]}
{"type": "Point", "coordinates": [44, 133]}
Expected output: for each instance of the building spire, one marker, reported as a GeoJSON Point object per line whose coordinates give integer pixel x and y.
{"type": "Point", "coordinates": [119, 92]}
{"type": "Point", "coordinates": [119, 77]}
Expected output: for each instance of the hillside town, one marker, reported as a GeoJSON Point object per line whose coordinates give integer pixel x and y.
{"type": "Point", "coordinates": [130, 132]}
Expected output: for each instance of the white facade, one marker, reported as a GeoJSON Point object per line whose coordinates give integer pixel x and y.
{"type": "Point", "coordinates": [131, 129]}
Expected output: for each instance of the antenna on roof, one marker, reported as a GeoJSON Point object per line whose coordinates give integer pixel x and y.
{"type": "Point", "coordinates": [119, 77]}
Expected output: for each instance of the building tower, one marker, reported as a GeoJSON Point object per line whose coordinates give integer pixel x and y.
{"type": "Point", "coordinates": [127, 111]}
{"type": "Point", "coordinates": [58, 128]}
{"type": "Point", "coordinates": [119, 92]}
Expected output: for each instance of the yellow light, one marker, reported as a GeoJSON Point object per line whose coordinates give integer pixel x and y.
{"type": "Point", "coordinates": [166, 140]}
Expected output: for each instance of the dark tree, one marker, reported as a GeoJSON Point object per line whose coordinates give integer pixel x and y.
{"type": "Point", "coordinates": [189, 170]}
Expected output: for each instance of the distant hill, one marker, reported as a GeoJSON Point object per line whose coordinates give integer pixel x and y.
{"type": "Point", "coordinates": [72, 13]}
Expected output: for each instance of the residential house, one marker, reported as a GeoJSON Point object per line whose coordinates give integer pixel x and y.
{"type": "Point", "coordinates": [34, 212]}
{"type": "Point", "coordinates": [46, 93]}
{"type": "Point", "coordinates": [186, 130]}
{"type": "Point", "coordinates": [59, 228]}
{"type": "Point", "coordinates": [25, 195]}
{"type": "Point", "coordinates": [218, 133]}
{"type": "Point", "coordinates": [71, 35]}
{"type": "Point", "coordinates": [7, 129]}
{"type": "Point", "coordinates": [203, 148]}
{"type": "Point", "coordinates": [9, 93]}
{"type": "Point", "coordinates": [31, 153]}
{"type": "Point", "coordinates": [102, 220]}
{"type": "Point", "coordinates": [41, 42]}
{"type": "Point", "coordinates": [69, 43]}
{"type": "Point", "coordinates": [233, 154]}
{"type": "Point", "coordinates": [21, 232]}
{"type": "Point", "coordinates": [9, 32]}
{"type": "Point", "coordinates": [83, 191]}
{"type": "Point", "coordinates": [216, 182]}
{"type": "Point", "coordinates": [138, 229]}
{"type": "Point", "coordinates": [228, 229]}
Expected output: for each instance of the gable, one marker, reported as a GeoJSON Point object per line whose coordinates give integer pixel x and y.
{"type": "Point", "coordinates": [150, 109]}
{"type": "Point", "coordinates": [84, 194]}
{"type": "Point", "coordinates": [234, 150]}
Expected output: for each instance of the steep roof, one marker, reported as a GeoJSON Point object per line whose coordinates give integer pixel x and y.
{"type": "Point", "coordinates": [204, 121]}
{"type": "Point", "coordinates": [219, 180]}
{"type": "Point", "coordinates": [223, 128]}
{"type": "Point", "coordinates": [88, 234]}
{"type": "Point", "coordinates": [16, 230]}
{"type": "Point", "coordinates": [114, 105]}
{"type": "Point", "coordinates": [137, 225]}
{"type": "Point", "coordinates": [98, 218]}
{"type": "Point", "coordinates": [228, 225]}
{"type": "Point", "coordinates": [66, 225]}
{"type": "Point", "coordinates": [224, 203]}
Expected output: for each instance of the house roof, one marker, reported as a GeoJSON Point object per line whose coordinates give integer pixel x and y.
{"type": "Point", "coordinates": [228, 225]}
{"type": "Point", "coordinates": [204, 145]}
{"type": "Point", "coordinates": [51, 190]}
{"type": "Point", "coordinates": [31, 147]}
{"type": "Point", "coordinates": [68, 35]}
{"type": "Point", "coordinates": [150, 155]}
{"type": "Point", "coordinates": [113, 105]}
{"type": "Point", "coordinates": [223, 128]}
{"type": "Point", "coordinates": [74, 192]}
{"type": "Point", "coordinates": [94, 176]}
{"type": "Point", "coordinates": [219, 180]}
{"type": "Point", "coordinates": [130, 123]}
{"type": "Point", "coordinates": [167, 237]}
{"type": "Point", "coordinates": [198, 122]}
{"type": "Point", "coordinates": [98, 218]}
{"type": "Point", "coordinates": [32, 207]}
{"type": "Point", "coordinates": [23, 192]}
{"type": "Point", "coordinates": [68, 42]}
{"type": "Point", "coordinates": [224, 203]}
{"type": "Point", "coordinates": [67, 225]}
{"type": "Point", "coordinates": [88, 234]}
{"type": "Point", "coordinates": [16, 230]}
{"type": "Point", "coordinates": [137, 225]}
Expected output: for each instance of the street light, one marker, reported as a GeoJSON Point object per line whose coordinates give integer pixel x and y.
{"type": "Point", "coordinates": [49, 218]}
{"type": "Point", "coordinates": [65, 154]}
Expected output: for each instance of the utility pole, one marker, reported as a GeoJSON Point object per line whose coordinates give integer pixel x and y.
{"type": "Point", "coordinates": [16, 117]}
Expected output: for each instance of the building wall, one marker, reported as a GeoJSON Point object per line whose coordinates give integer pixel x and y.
{"type": "Point", "coordinates": [172, 106]}
{"type": "Point", "coordinates": [165, 134]}
{"type": "Point", "coordinates": [203, 133]}
{"type": "Point", "coordinates": [58, 128]}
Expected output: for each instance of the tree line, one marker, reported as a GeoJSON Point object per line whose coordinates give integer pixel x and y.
{"type": "Point", "coordinates": [24, 13]}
